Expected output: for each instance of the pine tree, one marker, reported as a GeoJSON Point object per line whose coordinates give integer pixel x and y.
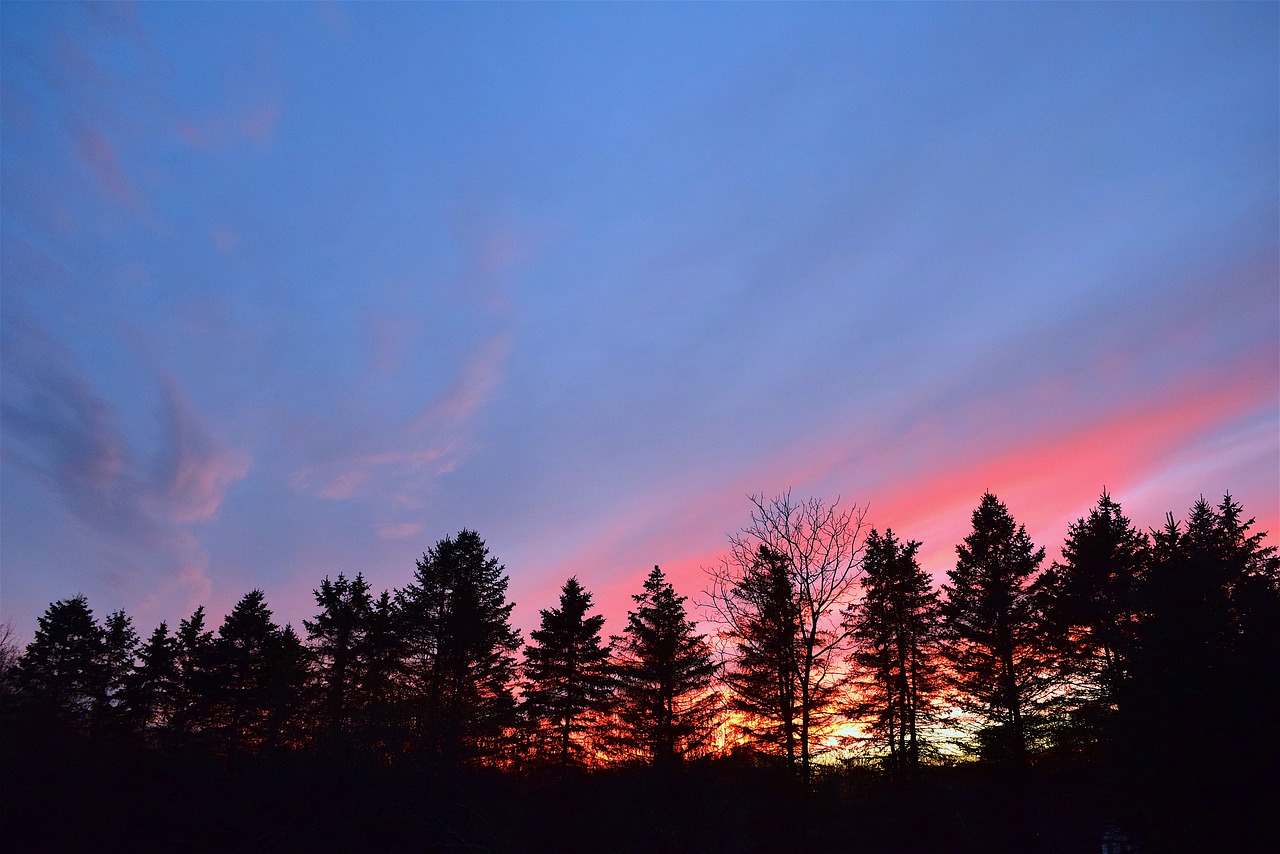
{"type": "Point", "coordinates": [1092, 612]}
{"type": "Point", "coordinates": [119, 656]}
{"type": "Point", "coordinates": [247, 661]}
{"type": "Point", "coordinates": [994, 641]}
{"type": "Point", "coordinates": [461, 650]}
{"type": "Point", "coordinates": [63, 666]}
{"type": "Point", "coordinates": [566, 671]}
{"type": "Point", "coordinates": [196, 690]}
{"type": "Point", "coordinates": [764, 670]}
{"type": "Point", "coordinates": [152, 695]}
{"type": "Point", "coordinates": [665, 705]}
{"type": "Point", "coordinates": [337, 636]}
{"type": "Point", "coordinates": [817, 547]}
{"type": "Point", "coordinates": [896, 630]}
{"type": "Point", "coordinates": [1205, 677]}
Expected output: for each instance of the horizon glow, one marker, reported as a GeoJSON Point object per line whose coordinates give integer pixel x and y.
{"type": "Point", "coordinates": [293, 290]}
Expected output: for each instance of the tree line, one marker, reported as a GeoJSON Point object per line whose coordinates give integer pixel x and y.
{"type": "Point", "coordinates": [1133, 641]}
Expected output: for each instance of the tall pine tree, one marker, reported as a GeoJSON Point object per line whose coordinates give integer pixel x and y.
{"type": "Point", "coordinates": [896, 631]}
{"type": "Point", "coordinates": [665, 705]}
{"type": "Point", "coordinates": [1091, 608]}
{"type": "Point", "coordinates": [764, 669]}
{"type": "Point", "coordinates": [994, 641]}
{"type": "Point", "coordinates": [461, 650]}
{"type": "Point", "coordinates": [566, 673]}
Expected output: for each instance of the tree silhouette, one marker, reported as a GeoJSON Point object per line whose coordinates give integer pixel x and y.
{"type": "Point", "coordinates": [197, 686]}
{"type": "Point", "coordinates": [119, 655]}
{"type": "Point", "coordinates": [63, 666]}
{"type": "Point", "coordinates": [1092, 613]}
{"type": "Point", "coordinates": [338, 638]}
{"type": "Point", "coordinates": [460, 649]}
{"type": "Point", "coordinates": [566, 671]}
{"type": "Point", "coordinates": [763, 672]}
{"type": "Point", "coordinates": [1205, 679]}
{"type": "Point", "coordinates": [896, 630]}
{"type": "Point", "coordinates": [995, 645]}
{"type": "Point", "coordinates": [809, 552]}
{"type": "Point", "coordinates": [152, 694]}
{"type": "Point", "coordinates": [258, 670]}
{"type": "Point", "coordinates": [665, 705]}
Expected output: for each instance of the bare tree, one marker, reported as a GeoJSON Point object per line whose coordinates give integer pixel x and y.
{"type": "Point", "coordinates": [10, 654]}
{"type": "Point", "coordinates": [778, 594]}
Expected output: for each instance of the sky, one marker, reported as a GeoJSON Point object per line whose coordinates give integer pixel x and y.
{"type": "Point", "coordinates": [289, 290]}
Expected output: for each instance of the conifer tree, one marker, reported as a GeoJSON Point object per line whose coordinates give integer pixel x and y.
{"type": "Point", "coordinates": [994, 641]}
{"type": "Point", "coordinates": [665, 705]}
{"type": "Point", "coordinates": [337, 636]}
{"type": "Point", "coordinates": [194, 649]}
{"type": "Point", "coordinates": [1090, 603]}
{"type": "Point", "coordinates": [896, 631]}
{"type": "Point", "coordinates": [566, 672]}
{"type": "Point", "coordinates": [763, 675]}
{"type": "Point", "coordinates": [251, 657]}
{"type": "Point", "coordinates": [1205, 678]}
{"type": "Point", "coordinates": [461, 650]}
{"type": "Point", "coordinates": [152, 694]}
{"type": "Point", "coordinates": [119, 656]}
{"type": "Point", "coordinates": [62, 668]}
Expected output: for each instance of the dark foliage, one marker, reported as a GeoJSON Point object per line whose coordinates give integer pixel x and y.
{"type": "Point", "coordinates": [665, 706]}
{"type": "Point", "coordinates": [896, 630]}
{"type": "Point", "coordinates": [460, 661]}
{"type": "Point", "coordinates": [994, 642]}
{"type": "Point", "coordinates": [567, 680]}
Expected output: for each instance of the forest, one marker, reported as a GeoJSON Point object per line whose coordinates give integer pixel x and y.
{"type": "Point", "coordinates": [818, 694]}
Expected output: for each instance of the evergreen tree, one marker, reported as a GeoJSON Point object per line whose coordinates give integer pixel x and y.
{"type": "Point", "coordinates": [764, 669]}
{"type": "Point", "coordinates": [337, 637]}
{"type": "Point", "coordinates": [896, 630]}
{"type": "Point", "coordinates": [63, 666]}
{"type": "Point", "coordinates": [196, 689]}
{"type": "Point", "coordinates": [1092, 612]}
{"type": "Point", "coordinates": [994, 640]}
{"type": "Point", "coordinates": [119, 655]}
{"type": "Point", "coordinates": [566, 671]}
{"type": "Point", "coordinates": [251, 657]}
{"type": "Point", "coordinates": [817, 547]}
{"type": "Point", "coordinates": [152, 695]}
{"type": "Point", "coordinates": [665, 705]}
{"type": "Point", "coordinates": [461, 649]}
{"type": "Point", "coordinates": [378, 701]}
{"type": "Point", "coordinates": [1205, 678]}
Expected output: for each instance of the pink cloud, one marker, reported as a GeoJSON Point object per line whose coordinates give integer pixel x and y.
{"type": "Point", "coordinates": [104, 165]}
{"type": "Point", "coordinates": [474, 386]}
{"type": "Point", "coordinates": [198, 469]}
{"type": "Point", "coordinates": [402, 531]}
{"type": "Point", "coordinates": [344, 485]}
{"type": "Point", "coordinates": [259, 124]}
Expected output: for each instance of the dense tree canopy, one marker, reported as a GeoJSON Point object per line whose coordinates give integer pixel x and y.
{"type": "Point", "coordinates": [1150, 662]}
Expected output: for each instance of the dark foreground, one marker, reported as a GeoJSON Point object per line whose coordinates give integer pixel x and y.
{"type": "Point", "coordinates": [63, 792]}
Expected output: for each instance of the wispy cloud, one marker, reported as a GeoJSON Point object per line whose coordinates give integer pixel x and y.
{"type": "Point", "coordinates": [60, 429]}
{"type": "Point", "coordinates": [104, 165]}
{"type": "Point", "coordinates": [197, 469]}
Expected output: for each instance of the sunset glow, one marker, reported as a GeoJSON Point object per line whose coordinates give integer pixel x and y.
{"type": "Point", "coordinates": [298, 289]}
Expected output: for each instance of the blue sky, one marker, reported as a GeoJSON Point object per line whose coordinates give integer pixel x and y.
{"type": "Point", "coordinates": [294, 289]}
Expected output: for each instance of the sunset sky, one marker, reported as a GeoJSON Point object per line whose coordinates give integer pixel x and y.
{"type": "Point", "coordinates": [290, 290]}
